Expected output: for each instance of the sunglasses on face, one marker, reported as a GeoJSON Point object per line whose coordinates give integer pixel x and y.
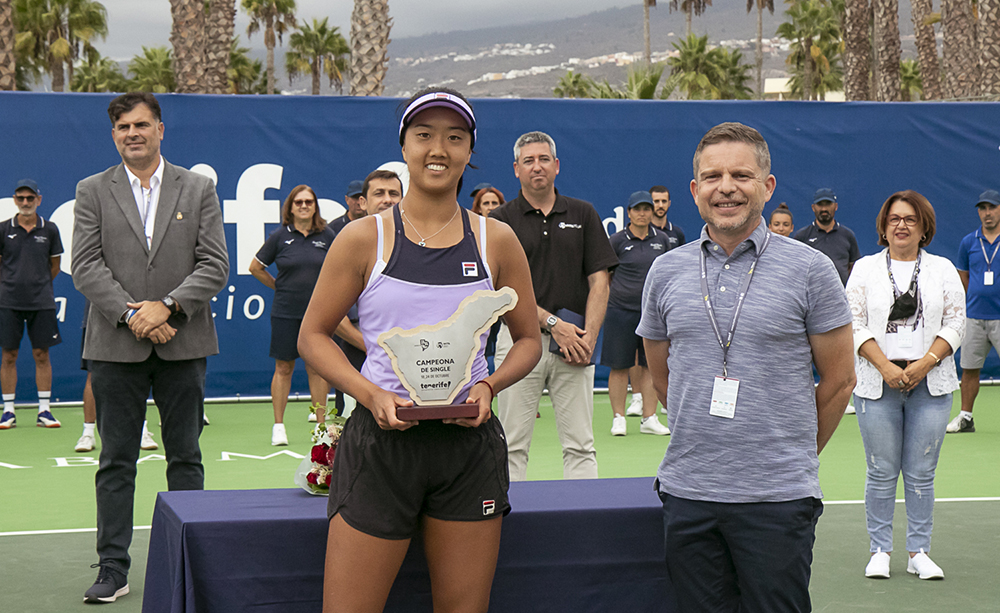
{"type": "Point", "coordinates": [27, 199]}
{"type": "Point", "coordinates": [309, 202]}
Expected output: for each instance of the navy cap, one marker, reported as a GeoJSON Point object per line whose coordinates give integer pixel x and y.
{"type": "Point", "coordinates": [823, 194]}
{"type": "Point", "coordinates": [29, 184]}
{"type": "Point", "coordinates": [639, 197]}
{"type": "Point", "coordinates": [354, 188]}
{"type": "Point", "coordinates": [476, 189]}
{"type": "Point", "coordinates": [990, 196]}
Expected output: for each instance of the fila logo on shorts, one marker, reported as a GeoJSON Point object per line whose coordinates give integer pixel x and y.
{"type": "Point", "coordinates": [489, 506]}
{"type": "Point", "coordinates": [470, 269]}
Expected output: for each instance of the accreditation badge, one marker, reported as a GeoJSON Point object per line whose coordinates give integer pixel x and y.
{"type": "Point", "coordinates": [724, 397]}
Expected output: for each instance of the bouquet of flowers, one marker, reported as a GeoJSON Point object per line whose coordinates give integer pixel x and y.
{"type": "Point", "coordinates": [313, 474]}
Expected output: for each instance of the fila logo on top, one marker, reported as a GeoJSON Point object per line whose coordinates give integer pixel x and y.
{"type": "Point", "coordinates": [470, 269]}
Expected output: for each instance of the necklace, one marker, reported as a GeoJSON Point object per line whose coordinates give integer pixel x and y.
{"type": "Point", "coordinates": [423, 240]}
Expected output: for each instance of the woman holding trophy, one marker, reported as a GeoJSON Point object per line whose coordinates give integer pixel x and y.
{"type": "Point", "coordinates": [429, 278]}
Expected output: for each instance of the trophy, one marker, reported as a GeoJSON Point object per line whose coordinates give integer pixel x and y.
{"type": "Point", "coordinates": [434, 362]}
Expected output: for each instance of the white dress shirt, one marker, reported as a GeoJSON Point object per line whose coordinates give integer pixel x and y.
{"type": "Point", "coordinates": [147, 199]}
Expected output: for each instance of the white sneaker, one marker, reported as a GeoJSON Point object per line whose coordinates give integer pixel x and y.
{"type": "Point", "coordinates": [204, 418]}
{"type": "Point", "coordinates": [850, 410]}
{"type": "Point", "coordinates": [922, 566]}
{"type": "Point", "coordinates": [278, 436]}
{"type": "Point", "coordinates": [878, 566]}
{"type": "Point", "coordinates": [312, 417]}
{"type": "Point", "coordinates": [147, 441]}
{"type": "Point", "coordinates": [86, 443]}
{"type": "Point", "coordinates": [652, 425]}
{"type": "Point", "coordinates": [663, 410]}
{"type": "Point", "coordinates": [635, 408]}
{"type": "Point", "coordinates": [619, 427]}
{"type": "Point", "coordinates": [961, 423]}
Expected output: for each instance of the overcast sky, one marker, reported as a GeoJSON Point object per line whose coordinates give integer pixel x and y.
{"type": "Point", "coordinates": [134, 23]}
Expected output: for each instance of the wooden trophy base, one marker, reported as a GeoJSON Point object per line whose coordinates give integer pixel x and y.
{"type": "Point", "coordinates": [445, 411]}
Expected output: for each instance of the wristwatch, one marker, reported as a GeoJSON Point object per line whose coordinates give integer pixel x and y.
{"type": "Point", "coordinates": [171, 304]}
{"type": "Point", "coordinates": [551, 321]}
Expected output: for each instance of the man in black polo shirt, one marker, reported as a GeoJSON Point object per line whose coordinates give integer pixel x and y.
{"type": "Point", "coordinates": [30, 249]}
{"type": "Point", "coordinates": [569, 256]}
{"type": "Point", "coordinates": [827, 236]}
{"type": "Point", "coordinates": [661, 204]}
{"type": "Point", "coordinates": [355, 209]}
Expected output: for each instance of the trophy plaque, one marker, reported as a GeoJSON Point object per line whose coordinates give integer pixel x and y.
{"type": "Point", "coordinates": [434, 362]}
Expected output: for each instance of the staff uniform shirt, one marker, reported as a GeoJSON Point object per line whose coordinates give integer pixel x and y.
{"type": "Point", "coordinates": [635, 256]}
{"type": "Point", "coordinates": [299, 259]}
{"type": "Point", "coordinates": [674, 234]}
{"type": "Point", "coordinates": [839, 244]}
{"type": "Point", "coordinates": [982, 301]}
{"type": "Point", "coordinates": [767, 451]}
{"type": "Point", "coordinates": [26, 265]}
{"type": "Point", "coordinates": [563, 249]}
{"type": "Point", "coordinates": [338, 224]}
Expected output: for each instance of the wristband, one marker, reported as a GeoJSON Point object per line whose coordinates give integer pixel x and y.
{"type": "Point", "coordinates": [492, 394]}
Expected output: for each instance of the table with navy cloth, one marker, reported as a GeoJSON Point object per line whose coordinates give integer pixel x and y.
{"type": "Point", "coordinates": [589, 545]}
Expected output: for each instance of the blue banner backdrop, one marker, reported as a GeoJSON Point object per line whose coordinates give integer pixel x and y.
{"type": "Point", "coordinates": [258, 147]}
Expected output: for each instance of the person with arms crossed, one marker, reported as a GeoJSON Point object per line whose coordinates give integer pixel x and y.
{"type": "Point", "coordinates": [976, 257]}
{"type": "Point", "coordinates": [149, 252]}
{"type": "Point", "coordinates": [636, 247]}
{"type": "Point", "coordinates": [827, 235]}
{"type": "Point", "coordinates": [661, 204]}
{"type": "Point", "coordinates": [740, 478]}
{"type": "Point", "coordinates": [446, 480]}
{"type": "Point", "coordinates": [569, 255]}
{"type": "Point", "coordinates": [30, 251]}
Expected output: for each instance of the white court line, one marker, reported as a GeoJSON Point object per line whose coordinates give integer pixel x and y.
{"type": "Point", "coordinates": [67, 531]}
{"type": "Point", "coordinates": [825, 502]}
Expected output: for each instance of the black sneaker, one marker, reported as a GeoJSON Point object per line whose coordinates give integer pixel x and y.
{"type": "Point", "coordinates": [110, 585]}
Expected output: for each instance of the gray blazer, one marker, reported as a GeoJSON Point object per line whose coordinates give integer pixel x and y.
{"type": "Point", "coordinates": [112, 265]}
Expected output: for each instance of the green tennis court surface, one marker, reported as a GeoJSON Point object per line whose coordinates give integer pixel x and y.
{"type": "Point", "coordinates": [47, 486]}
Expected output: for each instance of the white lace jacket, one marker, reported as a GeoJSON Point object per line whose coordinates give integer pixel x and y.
{"type": "Point", "coordinates": [869, 293]}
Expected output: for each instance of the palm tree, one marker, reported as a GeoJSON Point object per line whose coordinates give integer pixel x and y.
{"type": "Point", "coordinates": [53, 33]}
{"type": "Point", "coordinates": [911, 86]}
{"type": "Point", "coordinates": [275, 17]}
{"type": "Point", "coordinates": [887, 50]}
{"type": "Point", "coordinates": [101, 74]}
{"type": "Point", "coordinates": [370, 26]}
{"type": "Point", "coordinates": [243, 74]}
{"type": "Point", "coordinates": [759, 57]}
{"type": "Point", "coordinates": [647, 45]}
{"type": "Point", "coordinates": [694, 68]}
{"type": "Point", "coordinates": [153, 71]}
{"type": "Point", "coordinates": [930, 70]}
{"type": "Point", "coordinates": [188, 40]}
{"type": "Point", "coordinates": [8, 63]}
{"type": "Point", "coordinates": [690, 7]}
{"type": "Point", "coordinates": [813, 23]}
{"type": "Point", "coordinates": [317, 49]}
{"type": "Point", "coordinates": [733, 70]}
{"type": "Point", "coordinates": [960, 61]}
{"type": "Point", "coordinates": [857, 49]}
{"type": "Point", "coordinates": [989, 46]}
{"type": "Point", "coordinates": [219, 29]}
{"type": "Point", "coordinates": [574, 85]}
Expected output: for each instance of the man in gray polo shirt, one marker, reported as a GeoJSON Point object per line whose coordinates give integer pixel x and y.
{"type": "Point", "coordinates": [739, 481]}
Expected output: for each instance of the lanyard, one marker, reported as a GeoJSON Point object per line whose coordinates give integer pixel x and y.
{"type": "Point", "coordinates": [913, 281]}
{"type": "Point", "coordinates": [989, 259]}
{"type": "Point", "coordinates": [744, 286]}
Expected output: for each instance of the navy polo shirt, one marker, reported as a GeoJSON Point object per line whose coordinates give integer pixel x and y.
{"type": "Point", "coordinates": [674, 234]}
{"type": "Point", "coordinates": [982, 301]}
{"type": "Point", "coordinates": [338, 224]}
{"type": "Point", "coordinates": [563, 249]}
{"type": "Point", "coordinates": [26, 265]}
{"type": "Point", "coordinates": [299, 260]}
{"type": "Point", "coordinates": [839, 244]}
{"type": "Point", "coordinates": [635, 256]}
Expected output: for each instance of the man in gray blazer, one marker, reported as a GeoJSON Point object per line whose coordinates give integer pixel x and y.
{"type": "Point", "coordinates": [149, 252]}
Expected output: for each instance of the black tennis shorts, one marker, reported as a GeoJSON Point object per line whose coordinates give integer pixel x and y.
{"type": "Point", "coordinates": [385, 480]}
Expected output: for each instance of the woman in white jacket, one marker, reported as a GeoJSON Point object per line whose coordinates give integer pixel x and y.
{"type": "Point", "coordinates": [909, 319]}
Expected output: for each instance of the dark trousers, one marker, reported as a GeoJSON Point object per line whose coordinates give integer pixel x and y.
{"type": "Point", "coordinates": [740, 558]}
{"type": "Point", "coordinates": [121, 391]}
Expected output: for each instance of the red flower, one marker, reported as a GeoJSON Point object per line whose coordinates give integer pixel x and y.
{"type": "Point", "coordinates": [330, 455]}
{"type": "Point", "coordinates": [329, 477]}
{"type": "Point", "coordinates": [311, 478]}
{"type": "Point", "coordinates": [319, 453]}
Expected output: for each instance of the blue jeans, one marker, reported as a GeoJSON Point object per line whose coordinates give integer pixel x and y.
{"type": "Point", "coordinates": [902, 432]}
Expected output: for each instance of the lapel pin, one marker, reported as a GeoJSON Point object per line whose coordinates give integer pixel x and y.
{"type": "Point", "coordinates": [180, 215]}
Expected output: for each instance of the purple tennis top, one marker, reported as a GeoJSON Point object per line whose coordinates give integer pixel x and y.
{"type": "Point", "coordinates": [420, 285]}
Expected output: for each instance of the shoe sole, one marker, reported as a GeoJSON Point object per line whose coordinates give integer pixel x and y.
{"type": "Point", "coordinates": [654, 433]}
{"type": "Point", "coordinates": [8, 427]}
{"type": "Point", "coordinates": [118, 594]}
{"type": "Point", "coordinates": [927, 578]}
{"type": "Point", "coordinates": [43, 425]}
{"type": "Point", "coordinates": [877, 576]}
{"type": "Point", "coordinates": [83, 449]}
{"type": "Point", "coordinates": [618, 434]}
